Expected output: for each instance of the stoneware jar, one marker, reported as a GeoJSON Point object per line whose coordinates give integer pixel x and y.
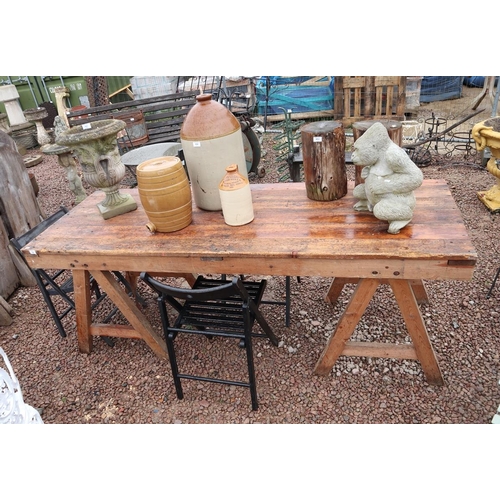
{"type": "Point", "coordinates": [165, 194]}
{"type": "Point", "coordinates": [211, 140]}
{"type": "Point", "coordinates": [236, 198]}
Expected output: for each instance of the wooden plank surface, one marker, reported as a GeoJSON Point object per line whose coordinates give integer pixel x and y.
{"type": "Point", "coordinates": [290, 234]}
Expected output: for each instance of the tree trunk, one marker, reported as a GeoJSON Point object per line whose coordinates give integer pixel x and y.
{"type": "Point", "coordinates": [19, 210]}
{"type": "Point", "coordinates": [323, 152]}
{"type": "Point", "coordinates": [9, 280]}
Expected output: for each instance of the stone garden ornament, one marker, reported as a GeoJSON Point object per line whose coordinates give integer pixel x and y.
{"type": "Point", "coordinates": [95, 145]}
{"type": "Point", "coordinates": [66, 160]}
{"type": "Point", "coordinates": [390, 178]}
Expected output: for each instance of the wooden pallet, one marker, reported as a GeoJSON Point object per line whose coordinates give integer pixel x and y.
{"type": "Point", "coordinates": [358, 98]}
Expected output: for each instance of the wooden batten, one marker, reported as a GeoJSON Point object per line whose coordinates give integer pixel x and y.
{"type": "Point", "coordinates": [5, 313]}
{"type": "Point", "coordinates": [358, 98]}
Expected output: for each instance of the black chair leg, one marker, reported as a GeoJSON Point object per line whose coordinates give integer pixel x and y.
{"type": "Point", "coordinates": [287, 301]}
{"type": "Point", "coordinates": [251, 373]}
{"type": "Point", "coordinates": [127, 286]}
{"type": "Point", "coordinates": [169, 340]}
{"type": "Point", "coordinates": [50, 305]}
{"type": "Point", "coordinates": [109, 341]}
{"type": "Point", "coordinates": [173, 365]}
{"type": "Point", "coordinates": [493, 284]}
{"type": "Point", "coordinates": [56, 319]}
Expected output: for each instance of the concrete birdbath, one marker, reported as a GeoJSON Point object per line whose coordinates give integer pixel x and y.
{"type": "Point", "coordinates": [487, 134]}
{"type": "Point", "coordinates": [95, 145]}
{"type": "Point", "coordinates": [36, 115]}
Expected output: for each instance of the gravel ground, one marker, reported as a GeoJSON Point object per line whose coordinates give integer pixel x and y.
{"type": "Point", "coordinates": [127, 383]}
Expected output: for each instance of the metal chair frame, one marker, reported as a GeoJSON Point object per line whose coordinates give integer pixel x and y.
{"type": "Point", "coordinates": [493, 283]}
{"type": "Point", "coordinates": [287, 302]}
{"type": "Point", "coordinates": [213, 308]}
{"type": "Point", "coordinates": [51, 284]}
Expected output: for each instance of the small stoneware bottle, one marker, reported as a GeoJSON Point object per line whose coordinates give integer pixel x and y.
{"type": "Point", "coordinates": [236, 198]}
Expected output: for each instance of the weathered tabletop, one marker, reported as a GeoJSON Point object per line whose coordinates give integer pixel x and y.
{"type": "Point", "coordinates": [291, 235]}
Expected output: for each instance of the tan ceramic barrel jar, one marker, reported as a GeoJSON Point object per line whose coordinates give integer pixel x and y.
{"type": "Point", "coordinates": [165, 194]}
{"type": "Point", "coordinates": [211, 140]}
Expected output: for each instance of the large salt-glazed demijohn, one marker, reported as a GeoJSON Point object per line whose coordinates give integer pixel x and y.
{"type": "Point", "coordinates": [211, 140]}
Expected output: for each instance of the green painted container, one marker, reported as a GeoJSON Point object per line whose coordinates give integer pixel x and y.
{"type": "Point", "coordinates": [35, 90]}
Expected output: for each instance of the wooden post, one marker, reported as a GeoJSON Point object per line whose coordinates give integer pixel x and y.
{"type": "Point", "coordinates": [19, 211]}
{"type": "Point", "coordinates": [5, 313]}
{"type": "Point", "coordinates": [323, 152]}
{"type": "Point", "coordinates": [394, 129]}
{"type": "Point", "coordinates": [369, 97]}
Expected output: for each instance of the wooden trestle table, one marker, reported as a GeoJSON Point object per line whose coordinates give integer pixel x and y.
{"type": "Point", "coordinates": [291, 235]}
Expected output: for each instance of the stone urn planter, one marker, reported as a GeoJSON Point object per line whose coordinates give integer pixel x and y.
{"type": "Point", "coordinates": [487, 134]}
{"type": "Point", "coordinates": [36, 115]}
{"type": "Point", "coordinates": [96, 148]}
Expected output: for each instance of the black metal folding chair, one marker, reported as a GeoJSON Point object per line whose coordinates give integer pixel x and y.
{"type": "Point", "coordinates": [213, 308]}
{"type": "Point", "coordinates": [59, 282]}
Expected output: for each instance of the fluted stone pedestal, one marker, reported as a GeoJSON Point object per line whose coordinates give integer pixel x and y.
{"type": "Point", "coordinates": [36, 115]}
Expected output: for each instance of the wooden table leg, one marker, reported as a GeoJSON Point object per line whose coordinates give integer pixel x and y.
{"type": "Point", "coordinates": [336, 287]}
{"type": "Point", "coordinates": [139, 323]}
{"type": "Point", "coordinates": [419, 291]}
{"type": "Point", "coordinates": [418, 332]}
{"type": "Point", "coordinates": [132, 278]}
{"type": "Point", "coordinates": [408, 294]}
{"type": "Point", "coordinates": [83, 309]}
{"type": "Point", "coordinates": [357, 305]}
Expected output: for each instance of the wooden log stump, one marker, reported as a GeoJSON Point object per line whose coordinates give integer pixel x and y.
{"type": "Point", "coordinates": [323, 152]}
{"type": "Point", "coordinates": [394, 129]}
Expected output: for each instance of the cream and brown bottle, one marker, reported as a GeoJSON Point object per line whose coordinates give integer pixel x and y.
{"type": "Point", "coordinates": [211, 140]}
{"type": "Point", "coordinates": [236, 198]}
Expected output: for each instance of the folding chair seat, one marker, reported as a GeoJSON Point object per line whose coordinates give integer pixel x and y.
{"type": "Point", "coordinates": [213, 308]}
{"type": "Point", "coordinates": [59, 282]}
{"type": "Point", "coordinates": [288, 299]}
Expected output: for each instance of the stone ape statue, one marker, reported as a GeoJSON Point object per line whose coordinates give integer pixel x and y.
{"type": "Point", "coordinates": [390, 178]}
